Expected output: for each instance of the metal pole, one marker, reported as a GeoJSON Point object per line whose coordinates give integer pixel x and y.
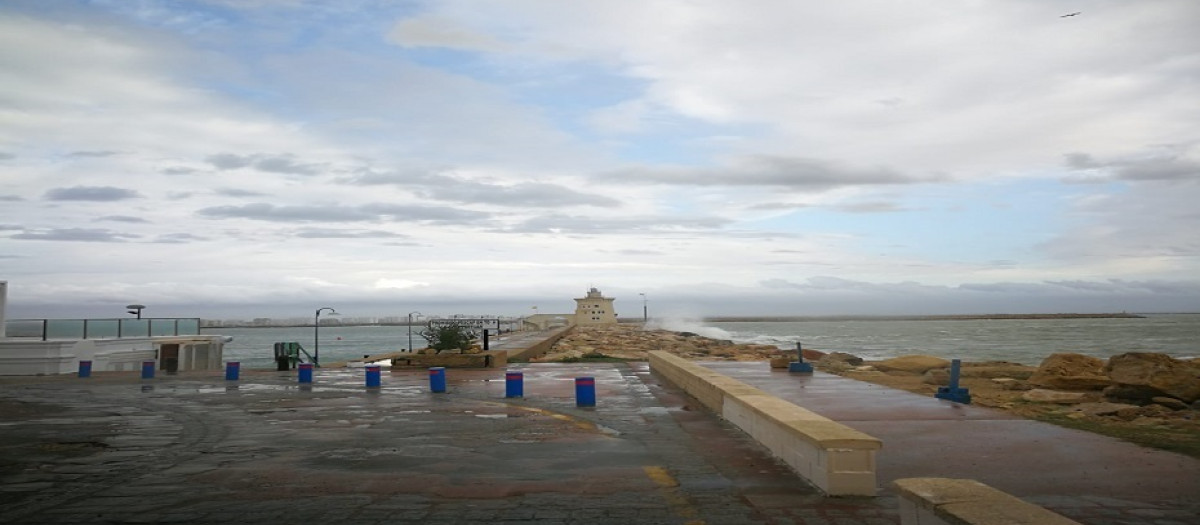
{"type": "Point", "coordinates": [410, 317]}
{"type": "Point", "coordinates": [317, 334]}
{"type": "Point", "coordinates": [645, 312]}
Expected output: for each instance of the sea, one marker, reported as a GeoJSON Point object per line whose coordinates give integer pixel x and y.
{"type": "Point", "coordinates": [1026, 341]}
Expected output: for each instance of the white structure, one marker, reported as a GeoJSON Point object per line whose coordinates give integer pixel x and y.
{"type": "Point", "coordinates": [61, 355]}
{"type": "Point", "coordinates": [595, 309]}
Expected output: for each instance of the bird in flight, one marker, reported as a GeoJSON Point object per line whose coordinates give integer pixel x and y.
{"type": "Point", "coordinates": [1076, 13]}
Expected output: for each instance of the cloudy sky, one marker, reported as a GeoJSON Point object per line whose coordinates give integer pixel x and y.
{"type": "Point", "coordinates": [236, 158]}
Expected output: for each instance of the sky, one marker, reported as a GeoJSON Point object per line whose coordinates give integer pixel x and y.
{"type": "Point", "coordinates": [246, 158]}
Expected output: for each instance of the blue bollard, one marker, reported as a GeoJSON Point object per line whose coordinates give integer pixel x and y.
{"type": "Point", "coordinates": [514, 384]}
{"type": "Point", "coordinates": [232, 370]}
{"type": "Point", "coordinates": [585, 391]}
{"type": "Point", "coordinates": [799, 366]}
{"type": "Point", "coordinates": [306, 371]}
{"type": "Point", "coordinates": [953, 392]}
{"type": "Point", "coordinates": [148, 369]}
{"type": "Point", "coordinates": [373, 376]}
{"type": "Point", "coordinates": [437, 379]}
{"type": "Point", "coordinates": [85, 369]}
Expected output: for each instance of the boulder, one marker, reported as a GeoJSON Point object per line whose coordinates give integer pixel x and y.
{"type": "Point", "coordinates": [912, 364]}
{"type": "Point", "coordinates": [1071, 372]}
{"type": "Point", "coordinates": [1169, 402]}
{"type": "Point", "coordinates": [849, 359]}
{"type": "Point", "coordinates": [1101, 409]}
{"type": "Point", "coordinates": [780, 362]}
{"type": "Point", "coordinates": [1041, 395]}
{"type": "Point", "coordinates": [991, 370]}
{"type": "Point", "coordinates": [1158, 373]}
{"type": "Point", "coordinates": [812, 355]}
{"type": "Point", "coordinates": [937, 377]}
{"type": "Point", "coordinates": [1009, 383]}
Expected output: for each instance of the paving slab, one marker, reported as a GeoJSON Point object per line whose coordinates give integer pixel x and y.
{"type": "Point", "coordinates": [1091, 478]}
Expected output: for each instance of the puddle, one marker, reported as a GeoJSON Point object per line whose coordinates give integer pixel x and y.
{"type": "Point", "coordinates": [492, 416]}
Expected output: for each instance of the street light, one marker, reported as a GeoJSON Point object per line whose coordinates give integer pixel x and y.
{"type": "Point", "coordinates": [645, 314]}
{"type": "Point", "coordinates": [410, 314]}
{"type": "Point", "coordinates": [136, 309]}
{"type": "Point", "coordinates": [317, 333]}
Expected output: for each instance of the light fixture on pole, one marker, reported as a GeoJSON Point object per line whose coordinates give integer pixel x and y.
{"type": "Point", "coordinates": [317, 333]}
{"type": "Point", "coordinates": [136, 309]}
{"type": "Point", "coordinates": [645, 312]}
{"type": "Point", "coordinates": [410, 318]}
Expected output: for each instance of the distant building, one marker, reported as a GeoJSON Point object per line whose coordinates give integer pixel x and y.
{"type": "Point", "coordinates": [595, 309]}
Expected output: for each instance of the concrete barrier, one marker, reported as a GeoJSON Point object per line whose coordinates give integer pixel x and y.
{"type": "Point", "coordinates": [541, 347]}
{"type": "Point", "coordinates": [943, 501]}
{"type": "Point", "coordinates": [838, 459]}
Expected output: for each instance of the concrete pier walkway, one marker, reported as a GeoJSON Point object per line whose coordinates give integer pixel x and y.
{"type": "Point", "coordinates": [194, 448]}
{"type": "Point", "coordinates": [1084, 476]}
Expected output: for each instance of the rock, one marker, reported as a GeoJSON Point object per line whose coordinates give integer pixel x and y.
{"type": "Point", "coordinates": [913, 364]}
{"type": "Point", "coordinates": [1169, 402]}
{"type": "Point", "coordinates": [689, 334]}
{"type": "Point", "coordinates": [1067, 371]}
{"type": "Point", "coordinates": [1129, 394]}
{"type": "Point", "coordinates": [994, 370]}
{"type": "Point", "coordinates": [780, 362]}
{"type": "Point", "coordinates": [812, 355]}
{"type": "Point", "coordinates": [1159, 373]}
{"type": "Point", "coordinates": [1041, 395]}
{"type": "Point", "coordinates": [1148, 411]}
{"type": "Point", "coordinates": [1009, 383]}
{"type": "Point", "coordinates": [937, 376]}
{"type": "Point", "coordinates": [1102, 409]}
{"type": "Point", "coordinates": [843, 357]}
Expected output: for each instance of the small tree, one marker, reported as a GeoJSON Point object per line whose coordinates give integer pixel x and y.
{"type": "Point", "coordinates": [449, 337]}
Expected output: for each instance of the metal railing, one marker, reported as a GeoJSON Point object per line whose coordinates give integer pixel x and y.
{"type": "Point", "coordinates": [47, 329]}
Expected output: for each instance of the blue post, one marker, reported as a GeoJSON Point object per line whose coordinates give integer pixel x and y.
{"type": "Point", "coordinates": [85, 369]}
{"type": "Point", "coordinates": [148, 369]}
{"type": "Point", "coordinates": [799, 366]}
{"type": "Point", "coordinates": [514, 384]}
{"type": "Point", "coordinates": [585, 391]}
{"type": "Point", "coordinates": [437, 379]}
{"type": "Point", "coordinates": [232, 370]}
{"type": "Point", "coordinates": [306, 370]}
{"type": "Point", "coordinates": [953, 392]}
{"type": "Point", "coordinates": [373, 376]}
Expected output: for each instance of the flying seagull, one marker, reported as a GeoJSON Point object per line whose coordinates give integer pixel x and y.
{"type": "Point", "coordinates": [1076, 13]}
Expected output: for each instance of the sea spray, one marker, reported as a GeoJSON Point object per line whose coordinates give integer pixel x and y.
{"type": "Point", "coordinates": [688, 325]}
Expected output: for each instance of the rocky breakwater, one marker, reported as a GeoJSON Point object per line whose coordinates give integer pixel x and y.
{"type": "Point", "coordinates": [632, 342]}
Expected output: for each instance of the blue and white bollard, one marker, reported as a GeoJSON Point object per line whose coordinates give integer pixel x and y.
{"type": "Point", "coordinates": [585, 391]}
{"type": "Point", "coordinates": [437, 379]}
{"type": "Point", "coordinates": [306, 371]}
{"type": "Point", "coordinates": [373, 376]}
{"type": "Point", "coordinates": [148, 369]}
{"type": "Point", "coordinates": [953, 392]}
{"type": "Point", "coordinates": [514, 384]}
{"type": "Point", "coordinates": [233, 369]}
{"type": "Point", "coordinates": [799, 366]}
{"type": "Point", "coordinates": [85, 369]}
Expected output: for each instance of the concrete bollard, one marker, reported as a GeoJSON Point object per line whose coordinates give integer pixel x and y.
{"type": "Point", "coordinates": [585, 391]}
{"type": "Point", "coordinates": [437, 379]}
{"type": "Point", "coordinates": [799, 366]}
{"type": "Point", "coordinates": [953, 392]}
{"type": "Point", "coordinates": [373, 376]}
{"type": "Point", "coordinates": [233, 369]}
{"type": "Point", "coordinates": [85, 369]}
{"type": "Point", "coordinates": [514, 384]}
{"type": "Point", "coordinates": [148, 369]}
{"type": "Point", "coordinates": [306, 372]}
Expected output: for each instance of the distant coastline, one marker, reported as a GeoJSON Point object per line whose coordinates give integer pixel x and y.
{"type": "Point", "coordinates": [956, 317]}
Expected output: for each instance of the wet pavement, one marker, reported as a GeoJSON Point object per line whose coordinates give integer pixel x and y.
{"type": "Point", "coordinates": [1090, 478]}
{"type": "Point", "coordinates": [194, 448]}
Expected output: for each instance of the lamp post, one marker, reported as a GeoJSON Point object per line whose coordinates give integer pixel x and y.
{"type": "Point", "coordinates": [645, 312]}
{"type": "Point", "coordinates": [317, 333]}
{"type": "Point", "coordinates": [136, 309]}
{"type": "Point", "coordinates": [410, 317]}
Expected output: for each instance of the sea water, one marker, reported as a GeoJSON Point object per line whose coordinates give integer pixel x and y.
{"type": "Point", "coordinates": [1025, 341]}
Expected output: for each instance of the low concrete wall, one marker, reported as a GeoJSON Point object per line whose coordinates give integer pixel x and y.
{"type": "Point", "coordinates": [23, 357]}
{"type": "Point", "coordinates": [838, 459]}
{"type": "Point", "coordinates": [942, 501]}
{"type": "Point", "coordinates": [541, 347]}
